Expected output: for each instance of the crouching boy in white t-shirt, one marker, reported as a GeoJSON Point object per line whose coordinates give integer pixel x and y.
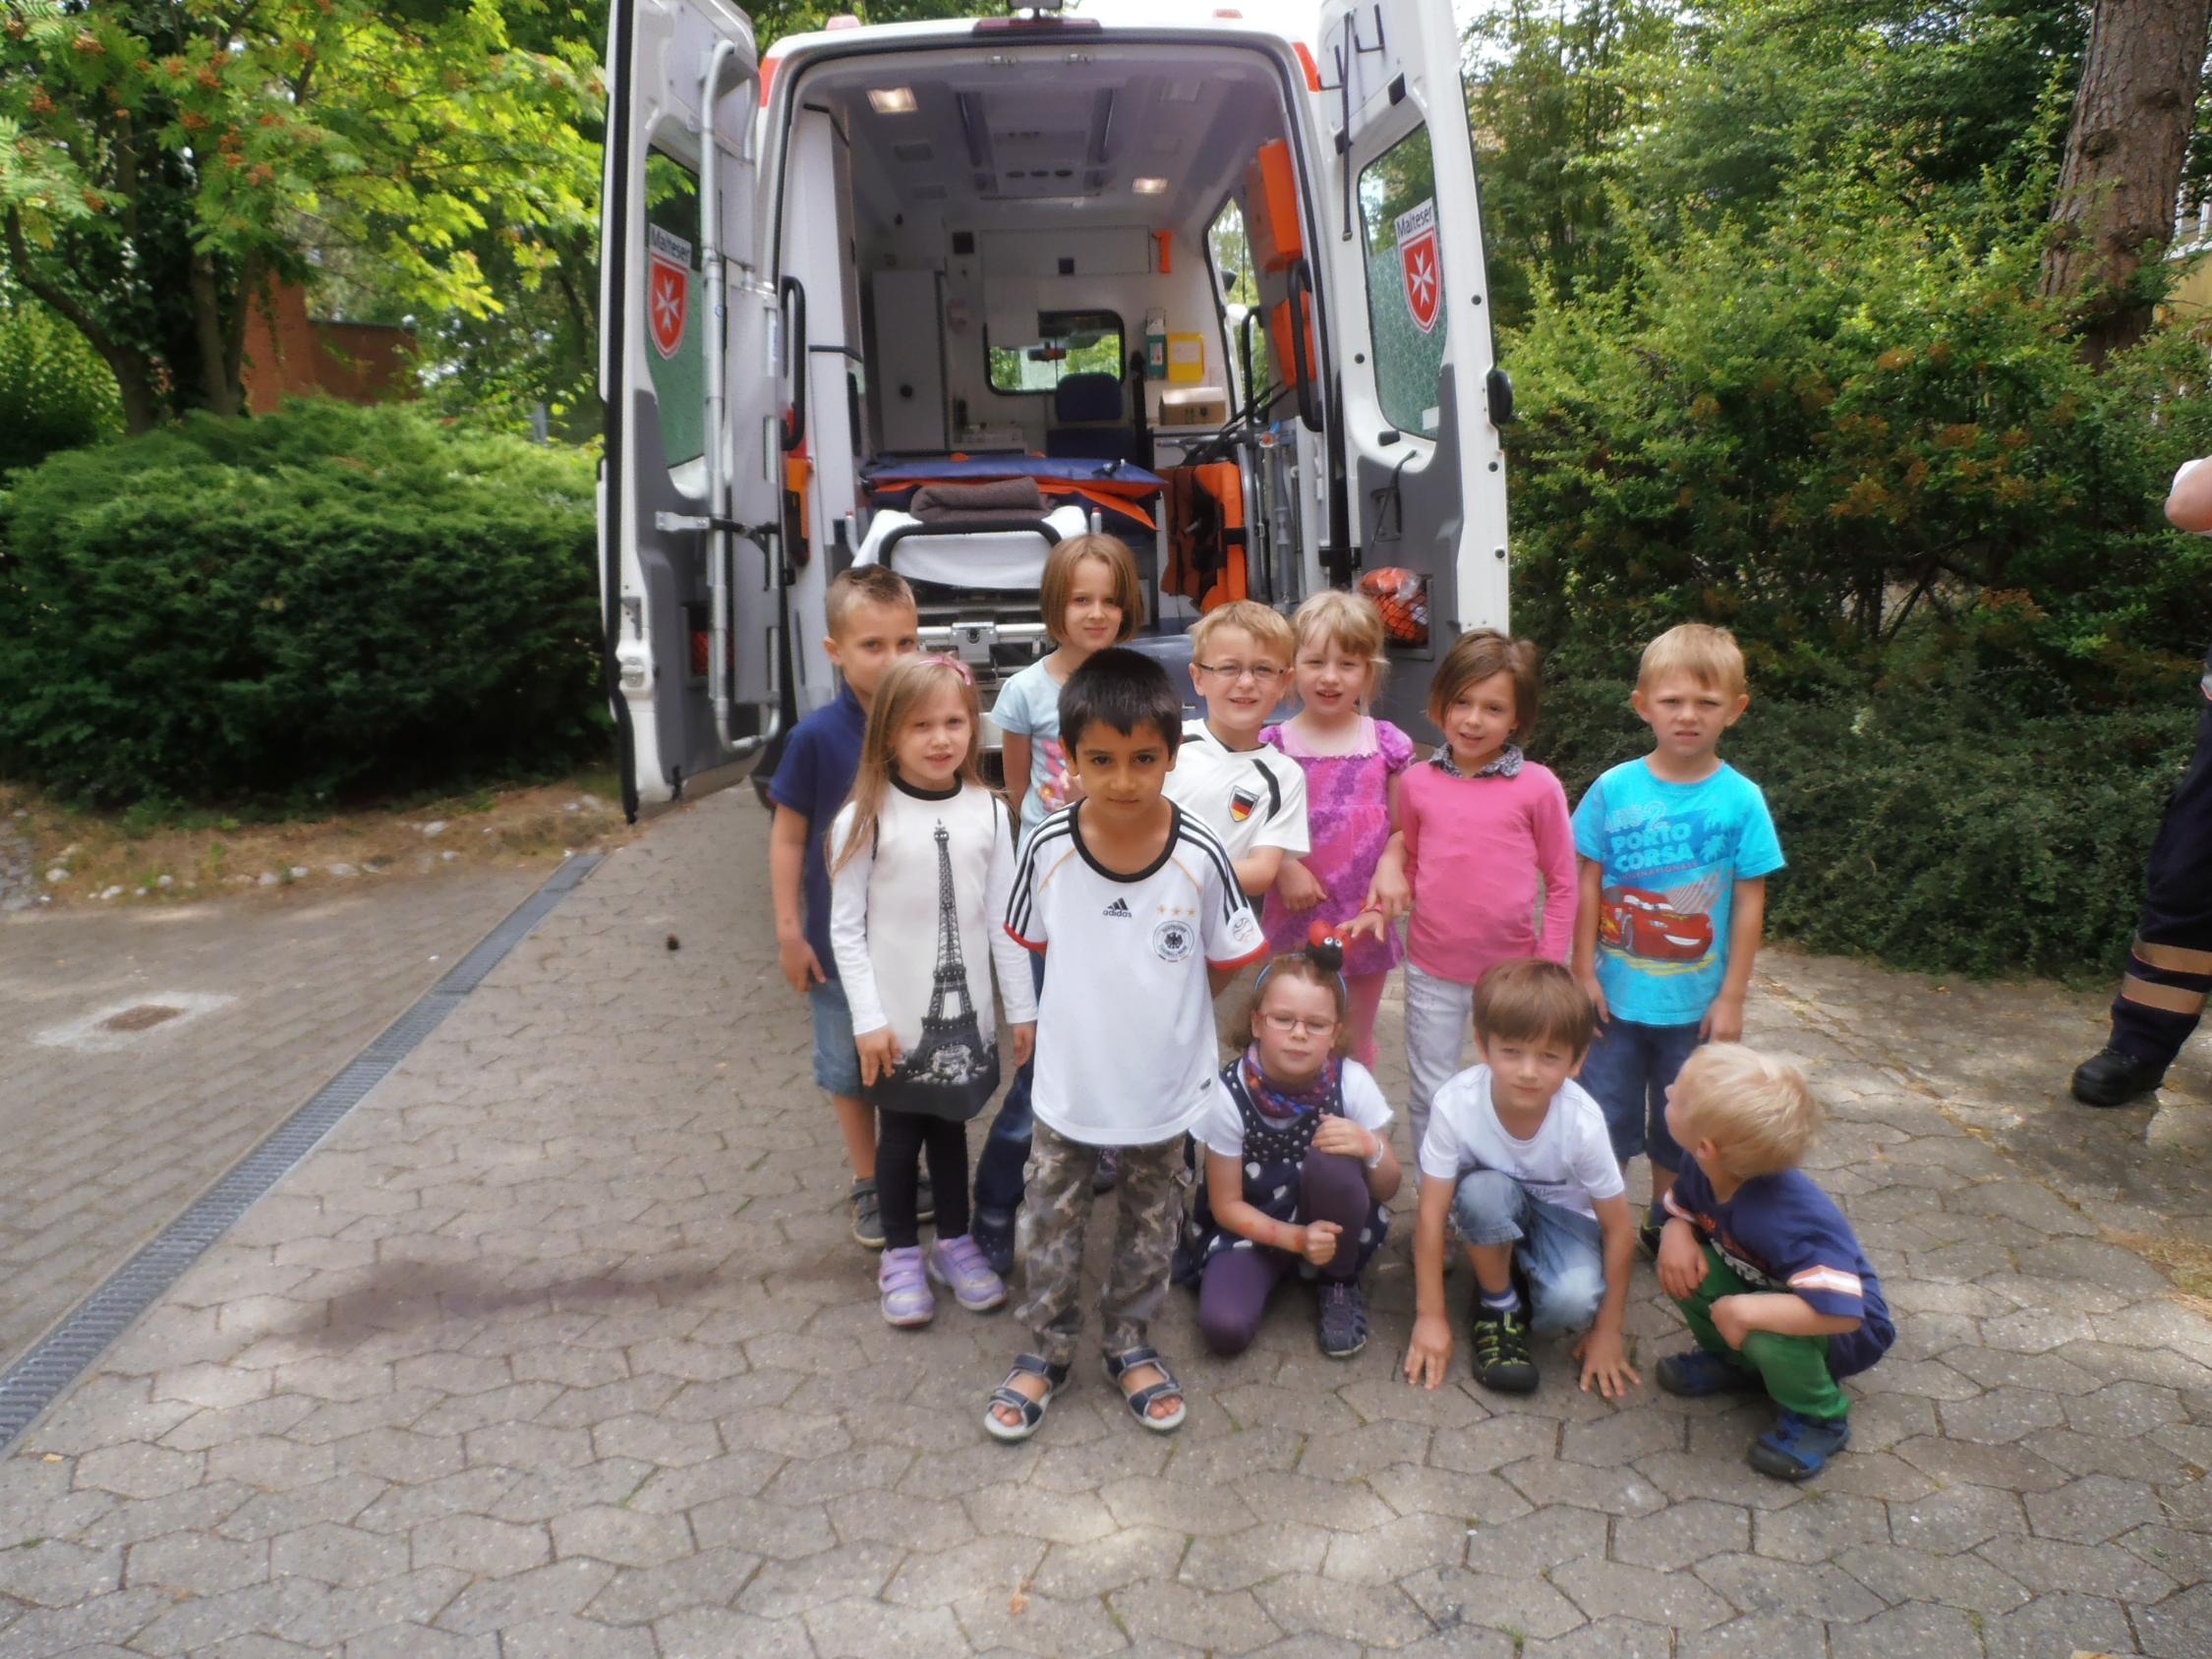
{"type": "Point", "coordinates": [1518, 1155]}
{"type": "Point", "coordinates": [1137, 901]}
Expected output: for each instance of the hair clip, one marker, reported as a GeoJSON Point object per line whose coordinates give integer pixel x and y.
{"type": "Point", "coordinates": [967, 674]}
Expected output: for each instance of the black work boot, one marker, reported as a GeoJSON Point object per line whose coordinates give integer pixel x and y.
{"type": "Point", "coordinates": [2113, 1078]}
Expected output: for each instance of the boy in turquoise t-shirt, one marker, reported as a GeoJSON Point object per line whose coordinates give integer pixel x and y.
{"type": "Point", "coordinates": [1675, 852]}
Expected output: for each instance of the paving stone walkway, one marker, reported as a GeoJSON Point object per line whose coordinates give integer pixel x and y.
{"type": "Point", "coordinates": [144, 1050]}
{"type": "Point", "coordinates": [557, 1346]}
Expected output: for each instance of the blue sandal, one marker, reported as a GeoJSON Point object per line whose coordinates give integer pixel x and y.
{"type": "Point", "coordinates": [1033, 1410]}
{"type": "Point", "coordinates": [1141, 1403]}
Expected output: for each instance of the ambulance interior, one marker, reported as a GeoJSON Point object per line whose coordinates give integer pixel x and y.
{"type": "Point", "coordinates": [1046, 293]}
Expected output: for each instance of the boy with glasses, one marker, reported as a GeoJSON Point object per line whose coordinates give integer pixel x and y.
{"type": "Point", "coordinates": [1248, 793]}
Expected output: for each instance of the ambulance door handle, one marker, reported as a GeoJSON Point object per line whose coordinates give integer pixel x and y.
{"type": "Point", "coordinates": [793, 296]}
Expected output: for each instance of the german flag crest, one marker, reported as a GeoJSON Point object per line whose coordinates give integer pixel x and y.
{"type": "Point", "coordinates": [1242, 805]}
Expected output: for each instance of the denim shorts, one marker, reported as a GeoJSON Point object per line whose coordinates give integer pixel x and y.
{"type": "Point", "coordinates": [837, 1062]}
{"type": "Point", "coordinates": [1560, 1250]}
{"type": "Point", "coordinates": [1628, 1070]}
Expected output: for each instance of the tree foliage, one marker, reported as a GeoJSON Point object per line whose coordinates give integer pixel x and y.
{"type": "Point", "coordinates": [161, 161]}
{"type": "Point", "coordinates": [54, 393]}
{"type": "Point", "coordinates": [1785, 362]}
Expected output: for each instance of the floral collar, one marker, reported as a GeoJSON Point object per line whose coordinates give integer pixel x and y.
{"type": "Point", "coordinates": [1507, 764]}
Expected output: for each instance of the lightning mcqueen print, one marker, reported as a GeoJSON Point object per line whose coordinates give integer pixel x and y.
{"type": "Point", "coordinates": [1645, 924]}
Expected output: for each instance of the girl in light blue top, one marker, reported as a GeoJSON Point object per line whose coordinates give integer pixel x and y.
{"type": "Point", "coordinates": [1091, 599]}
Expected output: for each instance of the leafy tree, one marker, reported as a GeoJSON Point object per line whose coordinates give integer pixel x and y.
{"type": "Point", "coordinates": [162, 161]}
{"type": "Point", "coordinates": [54, 393]}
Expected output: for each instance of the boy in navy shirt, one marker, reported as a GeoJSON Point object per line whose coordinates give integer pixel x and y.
{"type": "Point", "coordinates": [872, 622]}
{"type": "Point", "coordinates": [1760, 1261]}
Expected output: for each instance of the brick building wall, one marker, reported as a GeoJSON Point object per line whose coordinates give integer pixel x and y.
{"type": "Point", "coordinates": [289, 354]}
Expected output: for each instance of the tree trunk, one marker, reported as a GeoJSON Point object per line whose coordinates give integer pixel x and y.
{"type": "Point", "coordinates": [219, 387]}
{"type": "Point", "coordinates": [2126, 145]}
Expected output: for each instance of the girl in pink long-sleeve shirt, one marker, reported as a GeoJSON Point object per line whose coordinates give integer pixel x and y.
{"type": "Point", "coordinates": [1482, 834]}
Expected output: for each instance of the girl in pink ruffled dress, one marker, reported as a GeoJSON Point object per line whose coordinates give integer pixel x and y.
{"type": "Point", "coordinates": [1352, 762]}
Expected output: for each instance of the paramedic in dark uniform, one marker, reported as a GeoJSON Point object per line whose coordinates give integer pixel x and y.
{"type": "Point", "coordinates": [2170, 967]}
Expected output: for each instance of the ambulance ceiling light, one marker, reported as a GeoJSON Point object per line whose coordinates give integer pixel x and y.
{"type": "Point", "coordinates": [892, 100]}
{"type": "Point", "coordinates": [1149, 186]}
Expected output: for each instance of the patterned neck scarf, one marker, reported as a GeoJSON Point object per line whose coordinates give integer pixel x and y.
{"type": "Point", "coordinates": [1507, 764]}
{"type": "Point", "coordinates": [1280, 1105]}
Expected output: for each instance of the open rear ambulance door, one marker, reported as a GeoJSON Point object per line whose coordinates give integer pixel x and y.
{"type": "Point", "coordinates": [1401, 237]}
{"type": "Point", "coordinates": [691, 577]}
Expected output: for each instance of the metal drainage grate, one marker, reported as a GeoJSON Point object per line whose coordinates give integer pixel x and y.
{"type": "Point", "coordinates": [35, 1381]}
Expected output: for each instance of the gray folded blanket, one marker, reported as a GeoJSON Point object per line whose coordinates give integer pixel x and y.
{"type": "Point", "coordinates": [1008, 499]}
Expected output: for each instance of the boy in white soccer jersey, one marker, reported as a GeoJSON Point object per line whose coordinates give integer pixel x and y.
{"type": "Point", "coordinates": [1137, 900]}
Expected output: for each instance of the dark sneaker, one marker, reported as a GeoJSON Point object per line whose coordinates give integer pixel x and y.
{"type": "Point", "coordinates": [1648, 1235]}
{"type": "Point", "coordinates": [1502, 1361]}
{"type": "Point", "coordinates": [994, 1237]}
{"type": "Point", "coordinates": [1697, 1373]}
{"type": "Point", "coordinates": [1107, 1171]}
{"type": "Point", "coordinates": [1798, 1448]}
{"type": "Point", "coordinates": [2110, 1077]}
{"type": "Point", "coordinates": [1343, 1318]}
{"type": "Point", "coordinates": [925, 1200]}
{"type": "Point", "coordinates": [867, 1215]}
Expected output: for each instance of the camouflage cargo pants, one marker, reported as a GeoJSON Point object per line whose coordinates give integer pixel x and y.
{"type": "Point", "coordinates": [1055, 1216]}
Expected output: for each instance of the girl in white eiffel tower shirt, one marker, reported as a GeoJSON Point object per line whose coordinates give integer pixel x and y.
{"type": "Point", "coordinates": [921, 864]}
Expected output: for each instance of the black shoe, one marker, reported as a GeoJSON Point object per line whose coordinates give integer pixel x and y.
{"type": "Point", "coordinates": [1502, 1362]}
{"type": "Point", "coordinates": [2110, 1077]}
{"type": "Point", "coordinates": [867, 1215]}
{"type": "Point", "coordinates": [1648, 1235]}
{"type": "Point", "coordinates": [994, 1237]}
{"type": "Point", "coordinates": [1343, 1314]}
{"type": "Point", "coordinates": [925, 1199]}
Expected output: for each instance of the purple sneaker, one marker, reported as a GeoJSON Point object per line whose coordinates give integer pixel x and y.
{"type": "Point", "coordinates": [906, 1297]}
{"type": "Point", "coordinates": [958, 1264]}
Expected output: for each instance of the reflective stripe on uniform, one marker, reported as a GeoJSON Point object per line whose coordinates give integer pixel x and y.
{"type": "Point", "coordinates": [2170, 997]}
{"type": "Point", "coordinates": [2173, 958]}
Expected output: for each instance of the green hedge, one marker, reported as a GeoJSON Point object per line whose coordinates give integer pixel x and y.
{"type": "Point", "coordinates": [1931, 825]}
{"type": "Point", "coordinates": [324, 603]}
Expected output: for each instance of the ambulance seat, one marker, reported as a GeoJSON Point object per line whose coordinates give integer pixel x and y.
{"type": "Point", "coordinates": [1090, 422]}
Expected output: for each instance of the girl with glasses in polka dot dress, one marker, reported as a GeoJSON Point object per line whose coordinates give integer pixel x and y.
{"type": "Point", "coordinates": [1298, 1163]}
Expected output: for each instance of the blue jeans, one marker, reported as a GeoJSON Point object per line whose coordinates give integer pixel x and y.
{"type": "Point", "coordinates": [1005, 1150]}
{"type": "Point", "coordinates": [1628, 1070]}
{"type": "Point", "coordinates": [1559, 1250]}
{"type": "Point", "coordinates": [837, 1062]}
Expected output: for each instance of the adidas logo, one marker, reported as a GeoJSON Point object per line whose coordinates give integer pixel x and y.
{"type": "Point", "coordinates": [1119, 908]}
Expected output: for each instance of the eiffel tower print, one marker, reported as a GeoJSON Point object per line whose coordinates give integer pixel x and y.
{"type": "Point", "coordinates": [951, 1056]}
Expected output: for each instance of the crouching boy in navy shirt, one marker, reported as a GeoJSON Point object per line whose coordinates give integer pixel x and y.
{"type": "Point", "coordinates": [1760, 1261]}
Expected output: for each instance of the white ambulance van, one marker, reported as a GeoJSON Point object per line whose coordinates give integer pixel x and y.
{"type": "Point", "coordinates": [940, 295]}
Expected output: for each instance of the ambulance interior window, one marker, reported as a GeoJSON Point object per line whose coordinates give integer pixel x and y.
{"type": "Point", "coordinates": [1406, 311]}
{"type": "Point", "coordinates": [1086, 342]}
{"type": "Point", "coordinates": [676, 323]}
{"type": "Point", "coordinates": [1238, 285]}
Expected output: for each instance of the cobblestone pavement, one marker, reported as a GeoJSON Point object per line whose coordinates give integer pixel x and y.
{"type": "Point", "coordinates": [559, 1346]}
{"type": "Point", "coordinates": [111, 1132]}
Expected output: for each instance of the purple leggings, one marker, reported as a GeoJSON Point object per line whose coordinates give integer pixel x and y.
{"type": "Point", "coordinates": [1234, 1289]}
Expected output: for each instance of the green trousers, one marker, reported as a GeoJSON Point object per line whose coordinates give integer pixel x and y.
{"type": "Point", "coordinates": [1793, 1368]}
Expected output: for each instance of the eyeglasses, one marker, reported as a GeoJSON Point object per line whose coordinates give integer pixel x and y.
{"type": "Point", "coordinates": [1262, 674]}
{"type": "Point", "coordinates": [1288, 1024]}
